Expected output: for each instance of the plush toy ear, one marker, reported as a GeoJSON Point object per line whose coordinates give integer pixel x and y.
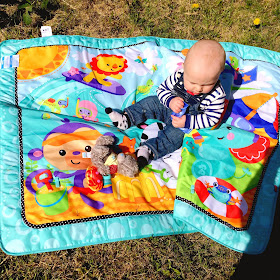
{"type": "Point", "coordinates": [121, 157]}
{"type": "Point", "coordinates": [36, 154]}
{"type": "Point", "coordinates": [105, 140]}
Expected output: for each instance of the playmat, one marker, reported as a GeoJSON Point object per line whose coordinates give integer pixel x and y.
{"type": "Point", "coordinates": [53, 92]}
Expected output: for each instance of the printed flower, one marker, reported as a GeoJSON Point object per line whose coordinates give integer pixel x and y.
{"type": "Point", "coordinates": [195, 6]}
{"type": "Point", "coordinates": [257, 22]}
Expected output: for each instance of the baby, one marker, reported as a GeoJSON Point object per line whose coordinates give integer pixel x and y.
{"type": "Point", "coordinates": [196, 87]}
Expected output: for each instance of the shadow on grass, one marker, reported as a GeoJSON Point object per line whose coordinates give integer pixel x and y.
{"type": "Point", "coordinates": [265, 265]}
{"type": "Point", "coordinates": [5, 19]}
{"type": "Point", "coordinates": [12, 20]}
{"type": "Point", "coordinates": [10, 2]}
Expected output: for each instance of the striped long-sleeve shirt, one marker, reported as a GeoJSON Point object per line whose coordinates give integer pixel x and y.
{"type": "Point", "coordinates": [211, 105]}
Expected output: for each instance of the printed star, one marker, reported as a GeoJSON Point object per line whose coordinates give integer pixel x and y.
{"type": "Point", "coordinates": [127, 145]}
{"type": "Point", "coordinates": [246, 78]}
{"type": "Point", "coordinates": [236, 200]}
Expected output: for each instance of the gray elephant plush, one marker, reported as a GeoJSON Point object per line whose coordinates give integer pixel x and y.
{"type": "Point", "coordinates": [107, 162]}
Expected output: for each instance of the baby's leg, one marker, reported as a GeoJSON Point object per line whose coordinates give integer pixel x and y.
{"type": "Point", "coordinates": [147, 108]}
{"type": "Point", "coordinates": [168, 140]}
{"type": "Point", "coordinates": [119, 120]}
{"type": "Point", "coordinates": [143, 154]}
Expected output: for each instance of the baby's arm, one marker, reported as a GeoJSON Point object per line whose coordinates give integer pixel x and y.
{"type": "Point", "coordinates": [176, 104]}
{"type": "Point", "coordinates": [164, 91]}
{"type": "Point", "coordinates": [178, 121]}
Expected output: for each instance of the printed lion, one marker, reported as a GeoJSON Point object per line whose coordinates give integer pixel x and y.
{"type": "Point", "coordinates": [105, 65]}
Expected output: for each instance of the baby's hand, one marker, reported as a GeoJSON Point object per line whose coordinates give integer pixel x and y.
{"type": "Point", "coordinates": [176, 104]}
{"type": "Point", "coordinates": [178, 122]}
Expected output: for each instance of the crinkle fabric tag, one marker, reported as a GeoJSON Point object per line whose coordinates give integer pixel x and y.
{"type": "Point", "coordinates": [11, 61]}
{"type": "Point", "coordinates": [46, 31]}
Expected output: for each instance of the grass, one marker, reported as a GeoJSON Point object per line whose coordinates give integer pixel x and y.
{"type": "Point", "coordinates": [191, 256]}
{"type": "Point", "coordinates": [228, 20]}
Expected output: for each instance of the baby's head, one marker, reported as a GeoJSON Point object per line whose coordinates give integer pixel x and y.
{"type": "Point", "coordinates": [203, 65]}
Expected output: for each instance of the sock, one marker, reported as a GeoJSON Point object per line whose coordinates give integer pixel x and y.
{"type": "Point", "coordinates": [143, 154]}
{"type": "Point", "coordinates": [119, 120]}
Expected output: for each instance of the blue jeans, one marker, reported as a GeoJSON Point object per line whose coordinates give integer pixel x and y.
{"type": "Point", "coordinates": [170, 138]}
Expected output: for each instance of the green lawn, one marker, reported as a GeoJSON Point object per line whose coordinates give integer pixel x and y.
{"type": "Point", "coordinates": [192, 256]}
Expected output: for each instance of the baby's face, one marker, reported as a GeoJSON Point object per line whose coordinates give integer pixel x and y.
{"type": "Point", "coordinates": [196, 86]}
{"type": "Point", "coordinates": [200, 79]}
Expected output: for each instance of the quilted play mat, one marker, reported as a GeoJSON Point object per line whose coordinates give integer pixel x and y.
{"type": "Point", "coordinates": [223, 182]}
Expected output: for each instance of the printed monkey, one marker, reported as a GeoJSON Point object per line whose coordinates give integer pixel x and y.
{"type": "Point", "coordinates": [63, 147]}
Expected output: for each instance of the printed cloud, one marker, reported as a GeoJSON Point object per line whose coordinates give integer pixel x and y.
{"type": "Point", "coordinates": [83, 57]}
{"type": "Point", "coordinates": [140, 62]}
